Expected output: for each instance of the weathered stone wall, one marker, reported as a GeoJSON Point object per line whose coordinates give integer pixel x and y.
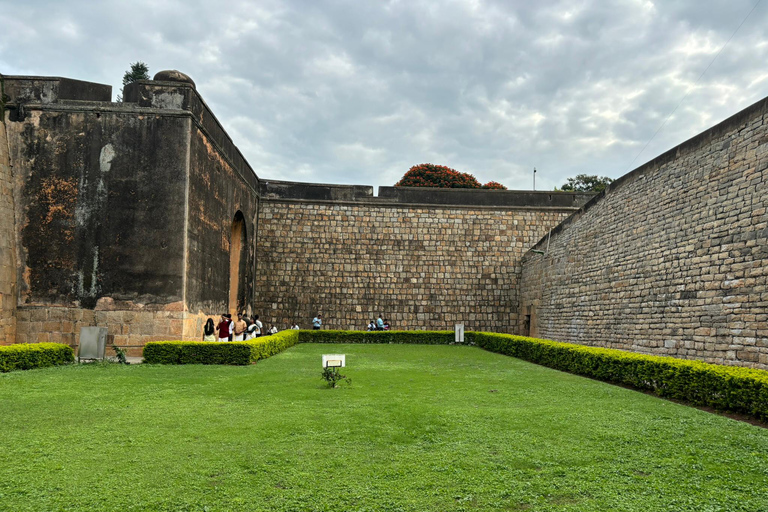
{"type": "Point", "coordinates": [423, 266]}
{"type": "Point", "coordinates": [7, 239]}
{"type": "Point", "coordinates": [127, 329]}
{"type": "Point", "coordinates": [221, 198]}
{"type": "Point", "coordinates": [100, 203]}
{"type": "Point", "coordinates": [129, 216]}
{"type": "Point", "coordinates": [672, 260]}
{"type": "Point", "coordinates": [100, 208]}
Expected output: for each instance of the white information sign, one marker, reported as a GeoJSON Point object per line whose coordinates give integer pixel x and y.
{"type": "Point", "coordinates": [334, 360]}
{"type": "Point", "coordinates": [459, 330]}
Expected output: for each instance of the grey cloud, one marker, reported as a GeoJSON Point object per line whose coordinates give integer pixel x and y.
{"type": "Point", "coordinates": [357, 92]}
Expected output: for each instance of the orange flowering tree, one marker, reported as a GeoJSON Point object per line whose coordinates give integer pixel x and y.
{"type": "Point", "coordinates": [430, 175]}
{"type": "Point", "coordinates": [495, 185]}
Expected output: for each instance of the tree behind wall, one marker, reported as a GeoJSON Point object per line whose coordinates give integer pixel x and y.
{"type": "Point", "coordinates": [430, 175]}
{"type": "Point", "coordinates": [138, 71]}
{"type": "Point", "coordinates": [586, 183]}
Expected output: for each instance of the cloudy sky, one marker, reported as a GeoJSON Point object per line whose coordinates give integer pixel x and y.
{"type": "Point", "coordinates": [359, 91]}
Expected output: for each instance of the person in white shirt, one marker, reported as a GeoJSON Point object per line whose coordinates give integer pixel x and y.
{"type": "Point", "coordinates": [250, 332]}
{"type": "Point", "coordinates": [272, 330]}
{"type": "Point", "coordinates": [259, 326]}
{"type": "Point", "coordinates": [295, 327]}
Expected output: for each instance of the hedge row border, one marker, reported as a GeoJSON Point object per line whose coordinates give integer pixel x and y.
{"type": "Point", "coordinates": [724, 388]}
{"type": "Point", "coordinates": [207, 352]}
{"type": "Point", "coordinates": [28, 356]}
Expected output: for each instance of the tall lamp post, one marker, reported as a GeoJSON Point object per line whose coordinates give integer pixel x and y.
{"type": "Point", "coordinates": [534, 178]}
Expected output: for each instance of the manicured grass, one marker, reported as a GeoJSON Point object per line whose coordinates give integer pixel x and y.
{"type": "Point", "coordinates": [420, 428]}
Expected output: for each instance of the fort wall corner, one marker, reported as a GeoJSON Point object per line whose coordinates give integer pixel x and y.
{"type": "Point", "coordinates": [7, 237]}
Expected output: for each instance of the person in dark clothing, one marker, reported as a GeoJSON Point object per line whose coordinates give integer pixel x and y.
{"type": "Point", "coordinates": [209, 331]}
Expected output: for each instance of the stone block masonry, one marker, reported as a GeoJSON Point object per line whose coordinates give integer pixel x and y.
{"type": "Point", "coordinates": [122, 215]}
{"type": "Point", "coordinates": [128, 329]}
{"type": "Point", "coordinates": [421, 266]}
{"type": "Point", "coordinates": [144, 217]}
{"type": "Point", "coordinates": [672, 260]}
{"type": "Point", "coordinates": [7, 240]}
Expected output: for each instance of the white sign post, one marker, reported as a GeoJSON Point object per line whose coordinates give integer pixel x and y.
{"type": "Point", "coordinates": [334, 360]}
{"type": "Point", "coordinates": [459, 331]}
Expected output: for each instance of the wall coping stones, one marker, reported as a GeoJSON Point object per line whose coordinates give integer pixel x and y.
{"type": "Point", "coordinates": [48, 89]}
{"type": "Point", "coordinates": [290, 191]}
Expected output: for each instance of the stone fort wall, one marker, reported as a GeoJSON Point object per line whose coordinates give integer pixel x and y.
{"type": "Point", "coordinates": [423, 259]}
{"type": "Point", "coordinates": [122, 214]}
{"type": "Point", "coordinates": [671, 260]}
{"type": "Point", "coordinates": [143, 217]}
{"type": "Point", "coordinates": [7, 239]}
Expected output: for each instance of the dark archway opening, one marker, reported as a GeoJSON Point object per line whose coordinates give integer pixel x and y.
{"type": "Point", "coordinates": [238, 262]}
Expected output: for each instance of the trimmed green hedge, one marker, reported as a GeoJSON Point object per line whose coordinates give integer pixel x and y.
{"type": "Point", "coordinates": [412, 337]}
{"type": "Point", "coordinates": [726, 388]}
{"type": "Point", "coordinates": [245, 352]}
{"type": "Point", "coordinates": [26, 356]}
{"type": "Point", "coordinates": [213, 352]}
{"type": "Point", "coordinates": [267, 346]}
{"type": "Point", "coordinates": [196, 352]}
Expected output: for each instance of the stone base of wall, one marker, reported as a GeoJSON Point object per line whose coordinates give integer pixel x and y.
{"type": "Point", "coordinates": [193, 325]}
{"type": "Point", "coordinates": [128, 326]}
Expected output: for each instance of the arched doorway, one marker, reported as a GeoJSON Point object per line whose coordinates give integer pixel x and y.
{"type": "Point", "coordinates": [238, 245]}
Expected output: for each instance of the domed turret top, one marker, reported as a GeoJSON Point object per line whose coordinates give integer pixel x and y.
{"type": "Point", "coordinates": [172, 75]}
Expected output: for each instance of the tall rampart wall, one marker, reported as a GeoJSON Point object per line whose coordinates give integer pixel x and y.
{"type": "Point", "coordinates": [221, 196]}
{"type": "Point", "coordinates": [425, 259]}
{"type": "Point", "coordinates": [124, 212]}
{"type": "Point", "coordinates": [7, 238]}
{"type": "Point", "coordinates": [672, 260]}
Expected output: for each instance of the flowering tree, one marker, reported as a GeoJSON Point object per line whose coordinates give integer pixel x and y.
{"type": "Point", "coordinates": [495, 185]}
{"type": "Point", "coordinates": [430, 175]}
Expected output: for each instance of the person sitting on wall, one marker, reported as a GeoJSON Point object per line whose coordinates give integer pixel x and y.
{"type": "Point", "coordinates": [209, 331]}
{"type": "Point", "coordinates": [240, 327]}
{"type": "Point", "coordinates": [223, 328]}
{"type": "Point", "coordinates": [386, 324]}
{"type": "Point", "coordinates": [272, 330]}
{"type": "Point", "coordinates": [379, 324]}
{"type": "Point", "coordinates": [317, 322]}
{"type": "Point", "coordinates": [371, 325]}
{"type": "Point", "coordinates": [295, 326]}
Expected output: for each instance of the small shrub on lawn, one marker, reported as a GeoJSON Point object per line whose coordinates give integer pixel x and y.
{"type": "Point", "coordinates": [26, 356]}
{"type": "Point", "coordinates": [333, 376]}
{"type": "Point", "coordinates": [120, 354]}
{"type": "Point", "coordinates": [726, 388]}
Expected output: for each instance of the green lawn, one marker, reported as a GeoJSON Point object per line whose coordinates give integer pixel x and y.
{"type": "Point", "coordinates": [420, 428]}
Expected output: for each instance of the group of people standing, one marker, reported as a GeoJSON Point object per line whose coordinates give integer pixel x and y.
{"type": "Point", "coordinates": [244, 328]}
{"type": "Point", "coordinates": [381, 324]}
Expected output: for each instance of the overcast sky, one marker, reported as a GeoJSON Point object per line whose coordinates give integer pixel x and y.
{"type": "Point", "coordinates": [359, 91]}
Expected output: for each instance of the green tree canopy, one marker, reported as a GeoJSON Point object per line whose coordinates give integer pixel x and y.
{"type": "Point", "coordinates": [138, 71]}
{"type": "Point", "coordinates": [586, 183]}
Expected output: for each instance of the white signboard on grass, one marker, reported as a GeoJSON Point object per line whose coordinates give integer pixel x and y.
{"type": "Point", "coordinates": [334, 360]}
